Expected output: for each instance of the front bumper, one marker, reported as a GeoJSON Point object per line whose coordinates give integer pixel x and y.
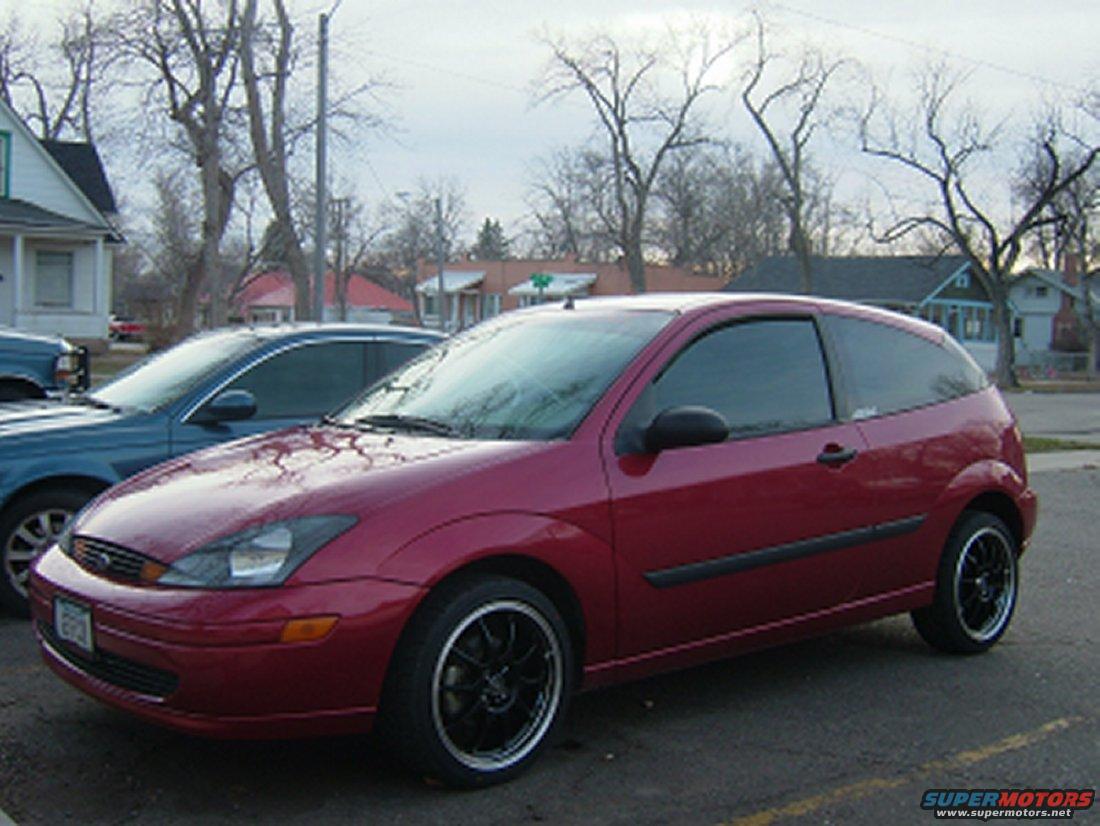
{"type": "Point", "coordinates": [211, 662]}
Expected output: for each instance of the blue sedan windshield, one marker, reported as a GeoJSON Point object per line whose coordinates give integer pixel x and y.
{"type": "Point", "coordinates": [164, 377]}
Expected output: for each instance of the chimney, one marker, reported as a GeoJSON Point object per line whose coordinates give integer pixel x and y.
{"type": "Point", "coordinates": [1072, 266]}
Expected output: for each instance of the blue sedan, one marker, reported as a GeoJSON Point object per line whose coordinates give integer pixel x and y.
{"type": "Point", "coordinates": [213, 387]}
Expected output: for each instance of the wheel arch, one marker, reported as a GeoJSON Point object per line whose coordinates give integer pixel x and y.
{"type": "Point", "coordinates": [92, 484]}
{"type": "Point", "coordinates": [991, 487]}
{"type": "Point", "coordinates": [543, 578]}
{"type": "Point", "coordinates": [1000, 504]}
{"type": "Point", "coordinates": [24, 381]}
{"type": "Point", "coordinates": [572, 567]}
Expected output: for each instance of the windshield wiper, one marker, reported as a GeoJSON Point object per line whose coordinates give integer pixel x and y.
{"type": "Point", "coordinates": [400, 421]}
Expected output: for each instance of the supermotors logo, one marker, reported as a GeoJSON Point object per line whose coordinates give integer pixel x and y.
{"type": "Point", "coordinates": [987, 804]}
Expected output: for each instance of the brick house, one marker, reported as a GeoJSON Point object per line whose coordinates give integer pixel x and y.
{"type": "Point", "coordinates": [476, 290]}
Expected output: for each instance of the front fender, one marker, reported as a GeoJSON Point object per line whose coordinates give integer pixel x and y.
{"type": "Point", "coordinates": [18, 476]}
{"type": "Point", "coordinates": [585, 562]}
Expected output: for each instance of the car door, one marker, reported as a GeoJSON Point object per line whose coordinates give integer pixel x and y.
{"type": "Point", "coordinates": [719, 538]}
{"type": "Point", "coordinates": [906, 396]}
{"type": "Point", "coordinates": [295, 385]}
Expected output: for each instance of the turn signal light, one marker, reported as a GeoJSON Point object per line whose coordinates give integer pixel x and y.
{"type": "Point", "coordinates": [307, 628]}
{"type": "Point", "coordinates": [152, 571]}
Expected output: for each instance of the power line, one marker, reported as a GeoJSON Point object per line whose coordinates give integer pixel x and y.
{"type": "Point", "coordinates": [924, 47]}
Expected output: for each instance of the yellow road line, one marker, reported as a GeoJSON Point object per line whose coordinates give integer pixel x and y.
{"type": "Point", "coordinates": [866, 788]}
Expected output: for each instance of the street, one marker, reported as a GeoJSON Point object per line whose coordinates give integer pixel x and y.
{"type": "Point", "coordinates": [849, 728]}
{"type": "Point", "coordinates": [1070, 416]}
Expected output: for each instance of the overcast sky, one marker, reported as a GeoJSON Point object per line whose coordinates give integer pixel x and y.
{"type": "Point", "coordinates": [462, 103]}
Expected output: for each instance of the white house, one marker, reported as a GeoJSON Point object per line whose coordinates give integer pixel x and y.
{"type": "Point", "coordinates": [56, 235]}
{"type": "Point", "coordinates": [1050, 309]}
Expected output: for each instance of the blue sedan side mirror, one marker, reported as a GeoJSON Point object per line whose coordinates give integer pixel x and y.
{"type": "Point", "coordinates": [228, 406]}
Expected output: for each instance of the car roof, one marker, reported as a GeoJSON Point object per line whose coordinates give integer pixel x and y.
{"type": "Point", "coordinates": [263, 334]}
{"type": "Point", "coordinates": [685, 303]}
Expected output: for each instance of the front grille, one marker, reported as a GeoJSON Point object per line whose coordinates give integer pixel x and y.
{"type": "Point", "coordinates": [113, 669]}
{"type": "Point", "coordinates": [108, 559]}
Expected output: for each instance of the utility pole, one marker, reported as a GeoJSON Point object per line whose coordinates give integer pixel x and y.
{"type": "Point", "coordinates": [440, 261]}
{"type": "Point", "coordinates": [320, 214]}
{"type": "Point", "coordinates": [340, 235]}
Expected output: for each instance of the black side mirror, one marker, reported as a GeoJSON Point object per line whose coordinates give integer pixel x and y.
{"type": "Point", "coordinates": [685, 426]}
{"type": "Point", "coordinates": [228, 406]}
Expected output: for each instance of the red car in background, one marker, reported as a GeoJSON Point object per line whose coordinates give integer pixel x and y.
{"type": "Point", "coordinates": [121, 328]}
{"type": "Point", "coordinates": [562, 497]}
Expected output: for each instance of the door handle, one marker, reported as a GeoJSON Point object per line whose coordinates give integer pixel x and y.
{"type": "Point", "coordinates": [835, 454]}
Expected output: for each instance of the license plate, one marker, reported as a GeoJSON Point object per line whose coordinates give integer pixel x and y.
{"type": "Point", "coordinates": [73, 623]}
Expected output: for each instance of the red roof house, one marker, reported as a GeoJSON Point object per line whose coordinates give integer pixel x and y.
{"type": "Point", "coordinates": [269, 297]}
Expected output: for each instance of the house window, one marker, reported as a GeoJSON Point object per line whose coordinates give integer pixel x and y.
{"type": "Point", "coordinates": [5, 164]}
{"type": "Point", "coordinates": [429, 305]}
{"type": "Point", "coordinates": [490, 305]}
{"type": "Point", "coordinates": [265, 315]}
{"type": "Point", "coordinates": [53, 283]}
{"type": "Point", "coordinates": [962, 281]}
{"type": "Point", "coordinates": [1041, 292]}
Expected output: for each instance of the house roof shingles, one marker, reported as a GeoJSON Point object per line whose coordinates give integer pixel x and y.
{"type": "Point", "coordinates": [82, 164]}
{"type": "Point", "coordinates": [907, 279]}
{"type": "Point", "coordinates": [276, 289]}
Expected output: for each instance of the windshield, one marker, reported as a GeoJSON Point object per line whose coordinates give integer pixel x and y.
{"type": "Point", "coordinates": [522, 376]}
{"type": "Point", "coordinates": [164, 377]}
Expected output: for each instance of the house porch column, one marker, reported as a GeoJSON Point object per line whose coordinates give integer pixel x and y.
{"type": "Point", "coordinates": [17, 266]}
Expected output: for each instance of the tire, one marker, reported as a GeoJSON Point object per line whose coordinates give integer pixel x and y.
{"type": "Point", "coordinates": [479, 683]}
{"type": "Point", "coordinates": [977, 585]}
{"type": "Point", "coordinates": [27, 528]}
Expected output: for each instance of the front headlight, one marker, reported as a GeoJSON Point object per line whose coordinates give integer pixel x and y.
{"type": "Point", "coordinates": [261, 556]}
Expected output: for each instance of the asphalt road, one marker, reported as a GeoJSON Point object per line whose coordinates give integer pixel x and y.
{"type": "Point", "coordinates": [1073, 416]}
{"type": "Point", "coordinates": [850, 728]}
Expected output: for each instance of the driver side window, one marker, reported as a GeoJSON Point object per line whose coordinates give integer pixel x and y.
{"type": "Point", "coordinates": [762, 376]}
{"type": "Point", "coordinates": [305, 381]}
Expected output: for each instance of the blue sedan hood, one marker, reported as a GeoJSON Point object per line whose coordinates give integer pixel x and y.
{"type": "Point", "coordinates": [35, 419]}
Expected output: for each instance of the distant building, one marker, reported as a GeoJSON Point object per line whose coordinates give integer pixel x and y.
{"type": "Point", "coordinates": [268, 297]}
{"type": "Point", "coordinates": [1050, 310]}
{"type": "Point", "coordinates": [477, 290]}
{"type": "Point", "coordinates": [940, 289]}
{"type": "Point", "coordinates": [57, 239]}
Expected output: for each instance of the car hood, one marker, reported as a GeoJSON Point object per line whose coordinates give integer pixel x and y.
{"type": "Point", "coordinates": [176, 507]}
{"type": "Point", "coordinates": [34, 419]}
{"type": "Point", "coordinates": [31, 342]}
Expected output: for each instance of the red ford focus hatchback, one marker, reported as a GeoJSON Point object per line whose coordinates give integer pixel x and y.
{"type": "Point", "coordinates": [562, 497]}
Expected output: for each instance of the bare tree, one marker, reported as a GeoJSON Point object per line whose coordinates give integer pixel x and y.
{"type": "Point", "coordinates": [640, 122]}
{"type": "Point", "coordinates": [269, 134]}
{"type": "Point", "coordinates": [570, 203]}
{"type": "Point", "coordinates": [411, 217]}
{"type": "Point", "coordinates": [192, 52]}
{"type": "Point", "coordinates": [52, 88]}
{"type": "Point", "coordinates": [942, 149]}
{"type": "Point", "coordinates": [718, 209]}
{"type": "Point", "coordinates": [799, 98]}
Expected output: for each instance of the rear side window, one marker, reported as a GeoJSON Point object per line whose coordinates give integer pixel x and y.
{"type": "Point", "coordinates": [887, 370]}
{"type": "Point", "coordinates": [763, 376]}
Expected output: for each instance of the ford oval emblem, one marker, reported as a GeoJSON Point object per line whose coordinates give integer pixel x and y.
{"type": "Point", "coordinates": [100, 561]}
